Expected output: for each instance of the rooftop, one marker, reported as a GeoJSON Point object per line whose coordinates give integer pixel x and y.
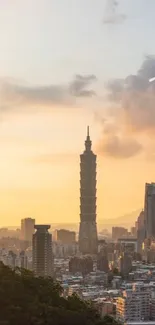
{"type": "Point", "coordinates": [42, 227]}
{"type": "Point", "coordinates": [141, 323]}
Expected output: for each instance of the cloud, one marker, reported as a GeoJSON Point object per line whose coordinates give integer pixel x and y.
{"type": "Point", "coordinates": [53, 94]}
{"type": "Point", "coordinates": [112, 16]}
{"type": "Point", "coordinates": [147, 69]}
{"type": "Point", "coordinates": [136, 94]}
{"type": "Point", "coordinates": [78, 87]}
{"type": "Point", "coordinates": [114, 88]}
{"type": "Point", "coordinates": [118, 147]}
{"type": "Point", "coordinates": [16, 94]}
{"type": "Point", "coordinates": [133, 118]}
{"type": "Point", "coordinates": [115, 143]}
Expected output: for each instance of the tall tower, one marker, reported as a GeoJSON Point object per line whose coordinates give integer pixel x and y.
{"type": "Point", "coordinates": [42, 251]}
{"type": "Point", "coordinates": [88, 243]}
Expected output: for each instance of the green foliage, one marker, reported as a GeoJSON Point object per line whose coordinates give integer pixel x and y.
{"type": "Point", "coordinates": [28, 300]}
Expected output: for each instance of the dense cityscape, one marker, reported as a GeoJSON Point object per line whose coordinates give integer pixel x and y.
{"type": "Point", "coordinates": [77, 162]}
{"type": "Point", "coordinates": [116, 270]}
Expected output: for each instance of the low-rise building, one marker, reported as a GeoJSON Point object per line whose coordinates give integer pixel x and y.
{"type": "Point", "coordinates": [105, 307]}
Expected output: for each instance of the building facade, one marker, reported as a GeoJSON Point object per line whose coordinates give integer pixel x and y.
{"type": "Point", "coordinates": [42, 251]}
{"type": "Point", "coordinates": [141, 232]}
{"type": "Point", "coordinates": [102, 260]}
{"type": "Point", "coordinates": [82, 264]}
{"type": "Point", "coordinates": [88, 243]}
{"type": "Point", "coordinates": [149, 210]}
{"type": "Point", "coordinates": [134, 305]}
{"type": "Point", "coordinates": [118, 232]}
{"type": "Point", "coordinates": [61, 250]}
{"type": "Point", "coordinates": [125, 264]}
{"type": "Point", "coordinates": [65, 236]}
{"type": "Point", "coordinates": [27, 229]}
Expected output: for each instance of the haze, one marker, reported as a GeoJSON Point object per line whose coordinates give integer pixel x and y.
{"type": "Point", "coordinates": [62, 68]}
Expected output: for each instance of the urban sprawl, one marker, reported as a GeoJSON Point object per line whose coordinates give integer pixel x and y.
{"type": "Point", "coordinates": [116, 270]}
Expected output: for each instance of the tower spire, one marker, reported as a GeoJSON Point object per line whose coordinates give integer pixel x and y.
{"type": "Point", "coordinates": [88, 141]}
{"type": "Point", "coordinates": [88, 131]}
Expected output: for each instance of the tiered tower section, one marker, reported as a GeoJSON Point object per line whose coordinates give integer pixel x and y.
{"type": "Point", "coordinates": [88, 229]}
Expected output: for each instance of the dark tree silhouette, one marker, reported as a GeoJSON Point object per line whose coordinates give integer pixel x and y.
{"type": "Point", "coordinates": [29, 300]}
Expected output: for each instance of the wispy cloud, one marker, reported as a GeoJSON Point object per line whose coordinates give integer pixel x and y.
{"type": "Point", "coordinates": [17, 94]}
{"type": "Point", "coordinates": [79, 86]}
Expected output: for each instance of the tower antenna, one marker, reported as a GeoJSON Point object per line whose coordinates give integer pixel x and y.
{"type": "Point", "coordinates": [88, 131]}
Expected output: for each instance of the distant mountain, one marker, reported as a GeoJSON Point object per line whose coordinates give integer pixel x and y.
{"type": "Point", "coordinates": [128, 220]}
{"type": "Point", "coordinates": [69, 226]}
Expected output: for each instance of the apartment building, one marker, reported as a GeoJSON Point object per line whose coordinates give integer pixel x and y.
{"type": "Point", "coordinates": [134, 305]}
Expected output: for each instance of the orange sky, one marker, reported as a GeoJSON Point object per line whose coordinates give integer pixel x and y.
{"type": "Point", "coordinates": [40, 169]}
{"type": "Point", "coordinates": [56, 69]}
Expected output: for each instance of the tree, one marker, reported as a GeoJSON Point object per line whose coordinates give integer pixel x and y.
{"type": "Point", "coordinates": [29, 300]}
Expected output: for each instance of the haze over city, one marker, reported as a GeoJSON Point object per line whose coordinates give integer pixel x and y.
{"type": "Point", "coordinates": [77, 164]}
{"type": "Point", "coordinates": [63, 66]}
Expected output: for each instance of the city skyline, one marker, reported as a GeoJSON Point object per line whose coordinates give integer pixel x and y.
{"type": "Point", "coordinates": [55, 74]}
{"type": "Point", "coordinates": [77, 162]}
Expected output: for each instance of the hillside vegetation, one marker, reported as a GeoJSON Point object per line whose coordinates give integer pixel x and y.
{"type": "Point", "coordinates": [28, 300]}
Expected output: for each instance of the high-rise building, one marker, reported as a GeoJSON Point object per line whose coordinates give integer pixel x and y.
{"type": "Point", "coordinates": [88, 243]}
{"type": "Point", "coordinates": [27, 228]}
{"type": "Point", "coordinates": [141, 231]}
{"type": "Point", "coordinates": [125, 264]}
{"type": "Point", "coordinates": [65, 236]}
{"type": "Point", "coordinates": [118, 232]}
{"type": "Point", "coordinates": [42, 251]}
{"type": "Point", "coordinates": [149, 210]}
{"type": "Point", "coordinates": [102, 262]}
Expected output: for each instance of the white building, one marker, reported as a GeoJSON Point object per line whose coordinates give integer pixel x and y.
{"type": "Point", "coordinates": [134, 305]}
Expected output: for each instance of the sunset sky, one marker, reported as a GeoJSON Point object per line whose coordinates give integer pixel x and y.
{"type": "Point", "coordinates": [59, 62]}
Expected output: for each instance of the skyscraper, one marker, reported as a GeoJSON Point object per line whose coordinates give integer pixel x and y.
{"type": "Point", "coordinates": [27, 228]}
{"type": "Point", "coordinates": [141, 231]}
{"type": "Point", "coordinates": [88, 243]}
{"type": "Point", "coordinates": [42, 251]}
{"type": "Point", "coordinates": [149, 210]}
